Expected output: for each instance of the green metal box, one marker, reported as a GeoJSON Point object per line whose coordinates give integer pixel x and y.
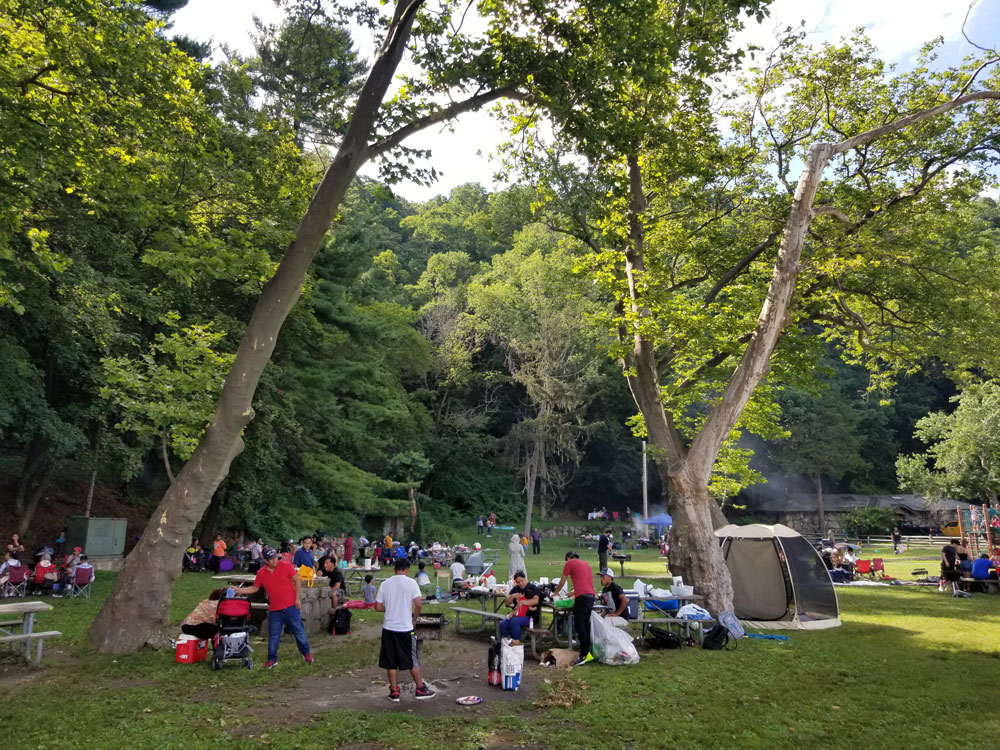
{"type": "Point", "coordinates": [99, 537]}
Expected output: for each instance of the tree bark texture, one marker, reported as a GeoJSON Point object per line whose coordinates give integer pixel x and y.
{"type": "Point", "coordinates": [31, 484]}
{"type": "Point", "coordinates": [138, 608]}
{"type": "Point", "coordinates": [695, 553]}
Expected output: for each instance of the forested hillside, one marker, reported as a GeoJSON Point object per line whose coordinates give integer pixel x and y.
{"type": "Point", "coordinates": [447, 358]}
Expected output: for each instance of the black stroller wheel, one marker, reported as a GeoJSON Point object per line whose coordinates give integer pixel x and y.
{"type": "Point", "coordinates": [248, 663]}
{"type": "Point", "coordinates": [217, 660]}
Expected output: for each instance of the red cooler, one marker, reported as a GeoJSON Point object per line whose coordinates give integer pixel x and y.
{"type": "Point", "coordinates": [190, 651]}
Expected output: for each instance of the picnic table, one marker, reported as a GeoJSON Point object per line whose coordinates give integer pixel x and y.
{"type": "Point", "coordinates": [22, 614]}
{"type": "Point", "coordinates": [240, 578]}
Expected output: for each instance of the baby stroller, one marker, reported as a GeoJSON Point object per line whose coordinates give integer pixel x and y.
{"type": "Point", "coordinates": [191, 562]}
{"type": "Point", "coordinates": [233, 639]}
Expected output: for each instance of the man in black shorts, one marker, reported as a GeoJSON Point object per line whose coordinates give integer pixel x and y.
{"type": "Point", "coordinates": [399, 598]}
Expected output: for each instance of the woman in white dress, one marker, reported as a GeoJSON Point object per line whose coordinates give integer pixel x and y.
{"type": "Point", "coordinates": [516, 556]}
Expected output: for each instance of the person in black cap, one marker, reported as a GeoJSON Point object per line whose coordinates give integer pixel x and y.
{"type": "Point", "coordinates": [284, 600]}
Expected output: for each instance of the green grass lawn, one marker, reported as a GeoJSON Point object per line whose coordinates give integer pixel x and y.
{"type": "Point", "coordinates": [909, 668]}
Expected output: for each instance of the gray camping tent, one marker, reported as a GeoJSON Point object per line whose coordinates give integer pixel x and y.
{"type": "Point", "coordinates": [779, 580]}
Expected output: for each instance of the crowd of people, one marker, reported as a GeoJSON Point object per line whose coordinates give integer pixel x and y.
{"type": "Point", "coordinates": [47, 571]}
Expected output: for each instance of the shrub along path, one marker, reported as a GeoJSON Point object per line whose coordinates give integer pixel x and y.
{"type": "Point", "coordinates": [907, 666]}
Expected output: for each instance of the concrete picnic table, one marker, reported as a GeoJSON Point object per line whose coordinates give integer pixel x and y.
{"type": "Point", "coordinates": [26, 610]}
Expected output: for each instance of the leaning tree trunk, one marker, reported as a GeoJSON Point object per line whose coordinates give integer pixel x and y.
{"type": "Point", "coordinates": [31, 483]}
{"type": "Point", "coordinates": [695, 553]}
{"type": "Point", "coordinates": [137, 610]}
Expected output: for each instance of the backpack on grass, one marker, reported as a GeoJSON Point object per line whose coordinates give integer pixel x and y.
{"type": "Point", "coordinates": [717, 638]}
{"type": "Point", "coordinates": [340, 622]}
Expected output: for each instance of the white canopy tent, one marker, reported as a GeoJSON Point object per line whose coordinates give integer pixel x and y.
{"type": "Point", "coordinates": [779, 580]}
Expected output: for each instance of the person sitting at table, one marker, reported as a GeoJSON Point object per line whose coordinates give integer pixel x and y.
{"type": "Point", "coordinates": [423, 580]}
{"type": "Point", "coordinates": [458, 570]}
{"type": "Point", "coordinates": [201, 622]}
{"type": "Point", "coordinates": [615, 601]}
{"type": "Point", "coordinates": [983, 569]}
{"type": "Point", "coordinates": [525, 598]}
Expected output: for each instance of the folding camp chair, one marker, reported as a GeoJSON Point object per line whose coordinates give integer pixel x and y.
{"type": "Point", "coordinates": [80, 585]}
{"type": "Point", "coordinates": [864, 568]}
{"type": "Point", "coordinates": [17, 584]}
{"type": "Point", "coordinates": [878, 568]}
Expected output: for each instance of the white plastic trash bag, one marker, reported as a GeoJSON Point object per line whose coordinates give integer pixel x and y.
{"type": "Point", "coordinates": [611, 645]}
{"type": "Point", "coordinates": [693, 612]}
{"type": "Point", "coordinates": [642, 588]}
{"type": "Point", "coordinates": [655, 593]}
{"type": "Point", "coordinates": [511, 664]}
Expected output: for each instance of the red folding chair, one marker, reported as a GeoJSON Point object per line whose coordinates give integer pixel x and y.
{"type": "Point", "coordinates": [878, 568]}
{"type": "Point", "coordinates": [80, 585]}
{"type": "Point", "coordinates": [17, 583]}
{"type": "Point", "coordinates": [864, 568]}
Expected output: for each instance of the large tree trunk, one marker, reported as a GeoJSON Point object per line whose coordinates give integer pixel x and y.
{"type": "Point", "coordinates": [413, 508]}
{"type": "Point", "coordinates": [695, 552]}
{"type": "Point", "coordinates": [31, 484]}
{"type": "Point", "coordinates": [138, 608]}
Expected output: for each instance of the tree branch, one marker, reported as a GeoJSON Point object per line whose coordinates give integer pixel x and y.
{"type": "Point", "coordinates": [443, 115]}
{"type": "Point", "coordinates": [904, 122]}
{"type": "Point", "coordinates": [740, 266]}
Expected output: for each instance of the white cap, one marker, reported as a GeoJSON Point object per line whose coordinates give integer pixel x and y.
{"type": "Point", "coordinates": [477, 545]}
{"type": "Point", "coordinates": [607, 572]}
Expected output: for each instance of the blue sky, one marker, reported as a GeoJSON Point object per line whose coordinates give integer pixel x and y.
{"type": "Point", "coordinates": [897, 27]}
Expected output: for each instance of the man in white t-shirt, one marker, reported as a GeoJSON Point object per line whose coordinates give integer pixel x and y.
{"type": "Point", "coordinates": [399, 598]}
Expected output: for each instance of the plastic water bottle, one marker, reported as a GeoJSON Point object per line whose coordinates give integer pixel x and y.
{"type": "Point", "coordinates": [437, 592]}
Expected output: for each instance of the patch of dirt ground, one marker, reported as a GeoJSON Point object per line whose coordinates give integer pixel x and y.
{"type": "Point", "coordinates": [453, 667]}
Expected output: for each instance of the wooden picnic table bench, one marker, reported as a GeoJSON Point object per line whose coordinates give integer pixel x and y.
{"type": "Point", "coordinates": [27, 611]}
{"type": "Point", "coordinates": [482, 613]}
{"type": "Point", "coordinates": [26, 639]}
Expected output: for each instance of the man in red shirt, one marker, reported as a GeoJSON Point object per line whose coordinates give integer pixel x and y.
{"type": "Point", "coordinates": [582, 576]}
{"type": "Point", "coordinates": [280, 580]}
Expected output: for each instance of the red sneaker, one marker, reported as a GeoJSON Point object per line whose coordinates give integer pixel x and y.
{"type": "Point", "coordinates": [308, 658]}
{"type": "Point", "coordinates": [271, 664]}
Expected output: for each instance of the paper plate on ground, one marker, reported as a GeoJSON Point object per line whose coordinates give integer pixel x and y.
{"type": "Point", "coordinates": [469, 700]}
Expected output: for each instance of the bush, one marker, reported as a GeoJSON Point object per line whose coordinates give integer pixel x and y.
{"type": "Point", "coordinates": [868, 521]}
